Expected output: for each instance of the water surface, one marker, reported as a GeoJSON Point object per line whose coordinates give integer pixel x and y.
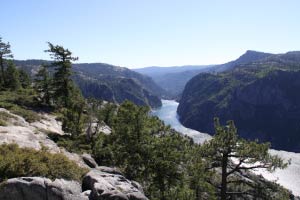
{"type": "Point", "coordinates": [168, 113]}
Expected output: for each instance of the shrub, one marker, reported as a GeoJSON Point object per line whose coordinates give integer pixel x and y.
{"type": "Point", "coordinates": [20, 104]}
{"type": "Point", "coordinates": [18, 162]}
{"type": "Point", "coordinates": [4, 116]}
{"type": "Point", "coordinates": [76, 144]}
{"type": "Point", "coordinates": [2, 123]}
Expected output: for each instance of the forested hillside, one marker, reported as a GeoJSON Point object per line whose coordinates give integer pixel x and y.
{"type": "Point", "coordinates": [260, 96]}
{"type": "Point", "coordinates": [107, 82]}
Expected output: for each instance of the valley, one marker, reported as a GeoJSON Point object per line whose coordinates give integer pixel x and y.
{"type": "Point", "coordinates": [120, 131]}
{"type": "Point", "coordinates": [149, 100]}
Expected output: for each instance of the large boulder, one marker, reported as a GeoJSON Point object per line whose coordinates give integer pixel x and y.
{"type": "Point", "coordinates": [89, 160]}
{"type": "Point", "coordinates": [103, 183]}
{"type": "Point", "coordinates": [108, 186]}
{"type": "Point", "coordinates": [37, 188]}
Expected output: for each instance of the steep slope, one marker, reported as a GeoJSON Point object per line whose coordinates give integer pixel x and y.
{"type": "Point", "coordinates": [261, 97]}
{"type": "Point", "coordinates": [108, 82]}
{"type": "Point", "coordinates": [117, 84]}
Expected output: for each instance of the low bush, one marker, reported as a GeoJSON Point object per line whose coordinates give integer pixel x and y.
{"type": "Point", "coordinates": [75, 144]}
{"type": "Point", "coordinates": [18, 162]}
{"type": "Point", "coordinates": [4, 116]}
{"type": "Point", "coordinates": [20, 103]}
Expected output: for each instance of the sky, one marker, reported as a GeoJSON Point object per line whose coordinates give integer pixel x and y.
{"type": "Point", "coordinates": [140, 33]}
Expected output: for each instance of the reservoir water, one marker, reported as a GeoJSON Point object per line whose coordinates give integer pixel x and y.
{"type": "Point", "coordinates": [168, 114]}
{"type": "Point", "coordinates": [289, 177]}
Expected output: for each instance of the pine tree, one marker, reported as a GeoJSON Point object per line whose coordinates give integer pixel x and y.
{"type": "Point", "coordinates": [24, 79]}
{"type": "Point", "coordinates": [167, 162]}
{"type": "Point", "coordinates": [12, 77]}
{"type": "Point", "coordinates": [5, 53]}
{"type": "Point", "coordinates": [63, 83]}
{"type": "Point", "coordinates": [200, 175]}
{"type": "Point", "coordinates": [68, 97]}
{"type": "Point", "coordinates": [236, 157]}
{"type": "Point", "coordinates": [73, 118]}
{"type": "Point", "coordinates": [43, 84]}
{"type": "Point", "coordinates": [130, 138]}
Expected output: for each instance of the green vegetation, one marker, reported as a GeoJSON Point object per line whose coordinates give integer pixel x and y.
{"type": "Point", "coordinates": [20, 103]}
{"type": "Point", "coordinates": [171, 166]}
{"type": "Point", "coordinates": [15, 92]}
{"type": "Point", "coordinates": [19, 97]}
{"type": "Point", "coordinates": [4, 116]}
{"type": "Point", "coordinates": [55, 92]}
{"type": "Point", "coordinates": [62, 82]}
{"type": "Point", "coordinates": [17, 162]}
{"type": "Point", "coordinates": [60, 92]}
{"type": "Point", "coordinates": [98, 114]}
{"type": "Point", "coordinates": [10, 77]}
{"type": "Point", "coordinates": [76, 144]}
{"type": "Point", "coordinates": [145, 150]}
{"type": "Point", "coordinates": [2, 123]}
{"type": "Point", "coordinates": [237, 156]}
{"type": "Point", "coordinates": [5, 53]}
{"type": "Point", "coordinates": [43, 84]}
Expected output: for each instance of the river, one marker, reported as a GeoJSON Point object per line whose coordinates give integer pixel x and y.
{"type": "Point", "coordinates": [289, 177]}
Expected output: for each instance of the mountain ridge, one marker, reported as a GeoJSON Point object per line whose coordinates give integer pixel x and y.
{"type": "Point", "coordinates": [174, 79]}
{"type": "Point", "coordinates": [105, 81]}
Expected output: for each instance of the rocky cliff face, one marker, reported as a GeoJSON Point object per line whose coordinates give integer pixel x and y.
{"type": "Point", "coordinates": [99, 183]}
{"type": "Point", "coordinates": [264, 107]}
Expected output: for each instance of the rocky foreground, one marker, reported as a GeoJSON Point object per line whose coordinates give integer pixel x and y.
{"type": "Point", "coordinates": [99, 183]}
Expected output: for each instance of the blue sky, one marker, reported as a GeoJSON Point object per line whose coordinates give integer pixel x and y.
{"type": "Point", "coordinates": [139, 33]}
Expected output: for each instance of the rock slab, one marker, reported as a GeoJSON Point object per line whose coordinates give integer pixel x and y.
{"type": "Point", "coordinates": [108, 186]}
{"type": "Point", "coordinates": [37, 188]}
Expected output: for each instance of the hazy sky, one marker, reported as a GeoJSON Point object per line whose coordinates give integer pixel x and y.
{"type": "Point", "coordinates": [139, 33]}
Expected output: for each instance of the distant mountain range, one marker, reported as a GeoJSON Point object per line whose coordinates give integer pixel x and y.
{"type": "Point", "coordinates": [259, 91]}
{"type": "Point", "coordinates": [158, 71]}
{"type": "Point", "coordinates": [174, 79]}
{"type": "Point", "coordinates": [108, 82]}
